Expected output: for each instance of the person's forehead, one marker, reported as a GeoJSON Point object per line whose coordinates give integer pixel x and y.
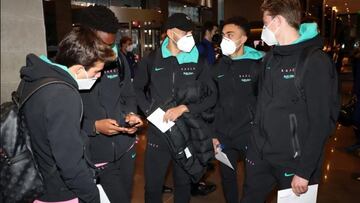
{"type": "Point", "coordinates": [107, 38]}
{"type": "Point", "coordinates": [98, 65]}
{"type": "Point", "coordinates": [231, 28]}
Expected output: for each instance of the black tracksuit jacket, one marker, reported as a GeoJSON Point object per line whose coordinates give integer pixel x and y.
{"type": "Point", "coordinates": [111, 97]}
{"type": "Point", "coordinates": [279, 109]}
{"type": "Point", "coordinates": [236, 81]}
{"type": "Point", "coordinates": [158, 79]}
{"type": "Point", "coordinates": [53, 116]}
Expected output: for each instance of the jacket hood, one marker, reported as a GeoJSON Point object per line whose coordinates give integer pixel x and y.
{"type": "Point", "coordinates": [39, 68]}
{"type": "Point", "coordinates": [182, 57]}
{"type": "Point", "coordinates": [307, 31]}
{"type": "Point", "coordinates": [309, 36]}
{"type": "Point", "coordinates": [250, 53]}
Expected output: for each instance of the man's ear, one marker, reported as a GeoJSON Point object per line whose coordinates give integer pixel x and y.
{"type": "Point", "coordinates": [244, 38]}
{"type": "Point", "coordinates": [280, 20]}
{"type": "Point", "coordinates": [75, 69]}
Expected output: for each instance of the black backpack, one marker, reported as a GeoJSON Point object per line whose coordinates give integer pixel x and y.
{"type": "Point", "coordinates": [334, 97]}
{"type": "Point", "coordinates": [20, 179]}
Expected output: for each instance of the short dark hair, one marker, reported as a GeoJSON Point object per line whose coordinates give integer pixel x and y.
{"type": "Point", "coordinates": [124, 39]}
{"type": "Point", "coordinates": [289, 9]}
{"type": "Point", "coordinates": [208, 26]}
{"type": "Point", "coordinates": [83, 47]}
{"type": "Point", "coordinates": [99, 18]}
{"type": "Point", "coordinates": [240, 22]}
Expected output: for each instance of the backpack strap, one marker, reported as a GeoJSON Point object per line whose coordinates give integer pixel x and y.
{"type": "Point", "coordinates": [301, 68]}
{"type": "Point", "coordinates": [37, 85]}
{"type": "Point", "coordinates": [20, 99]}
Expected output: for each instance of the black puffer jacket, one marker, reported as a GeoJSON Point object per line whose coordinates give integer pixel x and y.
{"type": "Point", "coordinates": [189, 140]}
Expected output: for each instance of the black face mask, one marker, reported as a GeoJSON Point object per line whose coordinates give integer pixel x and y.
{"type": "Point", "coordinates": [216, 39]}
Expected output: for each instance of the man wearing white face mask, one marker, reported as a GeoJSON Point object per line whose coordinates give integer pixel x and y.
{"type": "Point", "coordinates": [294, 112]}
{"type": "Point", "coordinates": [126, 47]}
{"type": "Point", "coordinates": [110, 121]}
{"type": "Point", "coordinates": [236, 79]}
{"type": "Point", "coordinates": [159, 75]}
{"type": "Point", "coordinates": [54, 113]}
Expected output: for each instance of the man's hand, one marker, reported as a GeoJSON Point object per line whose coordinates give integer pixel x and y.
{"type": "Point", "coordinates": [134, 120]}
{"type": "Point", "coordinates": [299, 185]}
{"type": "Point", "coordinates": [174, 113]}
{"type": "Point", "coordinates": [108, 127]}
{"type": "Point", "coordinates": [216, 144]}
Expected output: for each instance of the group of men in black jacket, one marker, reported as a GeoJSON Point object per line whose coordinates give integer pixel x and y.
{"type": "Point", "coordinates": [254, 101]}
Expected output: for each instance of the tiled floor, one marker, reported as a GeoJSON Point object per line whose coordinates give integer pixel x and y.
{"type": "Point", "coordinates": [337, 186]}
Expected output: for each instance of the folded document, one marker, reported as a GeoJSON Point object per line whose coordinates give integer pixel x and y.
{"type": "Point", "coordinates": [157, 118]}
{"type": "Point", "coordinates": [287, 195]}
{"type": "Point", "coordinates": [222, 157]}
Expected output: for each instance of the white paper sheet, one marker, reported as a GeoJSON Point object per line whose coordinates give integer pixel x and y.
{"type": "Point", "coordinates": [157, 117]}
{"type": "Point", "coordinates": [287, 195]}
{"type": "Point", "coordinates": [103, 197]}
{"type": "Point", "coordinates": [222, 157]}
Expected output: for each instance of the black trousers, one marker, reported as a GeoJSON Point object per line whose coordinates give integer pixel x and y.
{"type": "Point", "coordinates": [229, 176]}
{"type": "Point", "coordinates": [261, 177]}
{"type": "Point", "coordinates": [117, 179]}
{"type": "Point", "coordinates": [157, 159]}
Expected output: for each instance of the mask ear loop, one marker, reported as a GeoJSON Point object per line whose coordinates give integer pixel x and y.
{"type": "Point", "coordinates": [267, 26]}
{"type": "Point", "coordinates": [187, 35]}
{"type": "Point", "coordinates": [82, 68]}
{"type": "Point", "coordinates": [172, 38]}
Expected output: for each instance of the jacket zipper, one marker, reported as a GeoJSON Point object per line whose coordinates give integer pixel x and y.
{"type": "Point", "coordinates": [294, 136]}
{"type": "Point", "coordinates": [233, 88]}
{"type": "Point", "coordinates": [173, 83]}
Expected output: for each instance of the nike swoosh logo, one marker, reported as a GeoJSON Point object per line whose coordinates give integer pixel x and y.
{"type": "Point", "coordinates": [288, 174]}
{"type": "Point", "coordinates": [158, 69]}
{"type": "Point", "coordinates": [220, 76]}
{"type": "Point", "coordinates": [133, 156]}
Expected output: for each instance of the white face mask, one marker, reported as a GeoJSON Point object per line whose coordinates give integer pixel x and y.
{"type": "Point", "coordinates": [86, 84]}
{"type": "Point", "coordinates": [268, 36]}
{"type": "Point", "coordinates": [185, 43]}
{"type": "Point", "coordinates": [228, 46]}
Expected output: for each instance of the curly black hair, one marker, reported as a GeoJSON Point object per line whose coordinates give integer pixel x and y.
{"type": "Point", "coordinates": [99, 18]}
